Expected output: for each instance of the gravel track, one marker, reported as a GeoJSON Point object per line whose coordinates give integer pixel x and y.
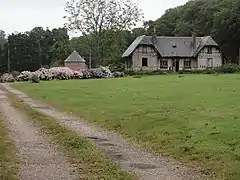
{"type": "Point", "coordinates": [39, 160]}
{"type": "Point", "coordinates": [145, 165]}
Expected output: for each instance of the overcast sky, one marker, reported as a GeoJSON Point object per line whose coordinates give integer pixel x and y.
{"type": "Point", "coordinates": [21, 16]}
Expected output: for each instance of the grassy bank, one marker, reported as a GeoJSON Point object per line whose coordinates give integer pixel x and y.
{"type": "Point", "coordinates": [8, 158]}
{"type": "Point", "coordinates": [91, 163]}
{"type": "Point", "coordinates": [194, 118]}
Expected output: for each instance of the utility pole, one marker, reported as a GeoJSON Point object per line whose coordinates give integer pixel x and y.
{"type": "Point", "coordinates": [39, 53]}
{"type": "Point", "coordinates": [9, 68]}
{"type": "Point", "coordinates": [90, 59]}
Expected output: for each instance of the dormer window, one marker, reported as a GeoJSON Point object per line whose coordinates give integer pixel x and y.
{"type": "Point", "coordinates": [209, 51]}
{"type": "Point", "coordinates": [174, 46]}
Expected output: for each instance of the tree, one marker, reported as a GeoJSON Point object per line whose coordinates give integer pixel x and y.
{"type": "Point", "coordinates": [94, 17]}
{"type": "Point", "coordinates": [36, 48]}
{"type": "Point", "coordinates": [80, 44]}
{"type": "Point", "coordinates": [3, 65]}
{"type": "Point", "coordinates": [2, 38]}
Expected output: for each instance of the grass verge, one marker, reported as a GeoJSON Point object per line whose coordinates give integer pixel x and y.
{"type": "Point", "coordinates": [8, 158]}
{"type": "Point", "coordinates": [91, 163]}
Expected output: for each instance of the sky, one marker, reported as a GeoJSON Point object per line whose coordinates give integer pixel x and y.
{"type": "Point", "coordinates": [24, 15]}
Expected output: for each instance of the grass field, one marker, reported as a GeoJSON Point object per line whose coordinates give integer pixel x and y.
{"type": "Point", "coordinates": [8, 158]}
{"type": "Point", "coordinates": [195, 118]}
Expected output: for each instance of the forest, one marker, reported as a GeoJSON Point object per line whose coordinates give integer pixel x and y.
{"type": "Point", "coordinates": [104, 45]}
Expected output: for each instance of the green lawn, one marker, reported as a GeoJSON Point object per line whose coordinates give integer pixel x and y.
{"type": "Point", "coordinates": [195, 118]}
{"type": "Point", "coordinates": [8, 158]}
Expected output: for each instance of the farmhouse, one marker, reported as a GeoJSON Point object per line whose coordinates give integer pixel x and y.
{"type": "Point", "coordinates": [75, 61]}
{"type": "Point", "coordinates": [172, 53]}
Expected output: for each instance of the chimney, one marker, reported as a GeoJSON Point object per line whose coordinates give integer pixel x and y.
{"type": "Point", "coordinates": [194, 40]}
{"type": "Point", "coordinates": [154, 35]}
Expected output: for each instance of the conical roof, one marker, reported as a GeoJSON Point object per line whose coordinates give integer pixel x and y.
{"type": "Point", "coordinates": [75, 57]}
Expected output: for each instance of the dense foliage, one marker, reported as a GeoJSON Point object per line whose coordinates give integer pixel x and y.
{"type": "Point", "coordinates": [34, 49]}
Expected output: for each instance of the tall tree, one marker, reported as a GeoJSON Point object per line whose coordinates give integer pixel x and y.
{"type": "Point", "coordinates": [36, 48]}
{"type": "Point", "coordinates": [2, 38]}
{"type": "Point", "coordinates": [2, 51]}
{"type": "Point", "coordinates": [94, 17]}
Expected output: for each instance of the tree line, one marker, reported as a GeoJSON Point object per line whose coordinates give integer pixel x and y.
{"type": "Point", "coordinates": [107, 29]}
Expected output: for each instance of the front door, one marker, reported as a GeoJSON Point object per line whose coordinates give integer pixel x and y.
{"type": "Point", "coordinates": [175, 65]}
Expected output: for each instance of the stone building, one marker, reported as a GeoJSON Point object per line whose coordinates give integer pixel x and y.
{"type": "Point", "coordinates": [75, 61]}
{"type": "Point", "coordinates": [172, 53]}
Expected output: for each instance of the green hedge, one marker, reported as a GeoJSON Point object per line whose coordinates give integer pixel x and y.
{"type": "Point", "coordinates": [227, 68]}
{"type": "Point", "coordinates": [142, 73]}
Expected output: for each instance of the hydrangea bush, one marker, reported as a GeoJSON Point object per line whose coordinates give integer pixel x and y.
{"type": "Point", "coordinates": [6, 78]}
{"type": "Point", "coordinates": [65, 73]}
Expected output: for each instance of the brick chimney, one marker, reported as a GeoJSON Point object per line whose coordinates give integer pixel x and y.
{"type": "Point", "coordinates": [194, 39]}
{"type": "Point", "coordinates": [154, 35]}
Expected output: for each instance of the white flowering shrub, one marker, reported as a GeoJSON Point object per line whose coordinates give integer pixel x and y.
{"type": "Point", "coordinates": [6, 78]}
{"type": "Point", "coordinates": [24, 76]}
{"type": "Point", "coordinates": [65, 73]}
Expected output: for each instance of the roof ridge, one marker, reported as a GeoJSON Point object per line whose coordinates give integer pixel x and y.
{"type": "Point", "coordinates": [164, 45]}
{"type": "Point", "coordinates": [178, 36]}
{"type": "Point", "coordinates": [75, 56]}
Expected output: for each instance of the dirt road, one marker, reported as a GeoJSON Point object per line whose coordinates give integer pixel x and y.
{"type": "Point", "coordinates": [39, 160]}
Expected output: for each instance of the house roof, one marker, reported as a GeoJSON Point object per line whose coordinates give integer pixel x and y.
{"type": "Point", "coordinates": [75, 57]}
{"type": "Point", "coordinates": [172, 46]}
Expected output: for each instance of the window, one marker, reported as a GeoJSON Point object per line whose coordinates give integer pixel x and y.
{"type": "Point", "coordinates": [209, 50]}
{"type": "Point", "coordinates": [187, 64]}
{"type": "Point", "coordinates": [144, 49]}
{"type": "Point", "coordinates": [163, 64]}
{"type": "Point", "coordinates": [144, 62]}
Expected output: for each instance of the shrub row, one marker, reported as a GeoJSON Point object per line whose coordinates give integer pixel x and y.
{"type": "Point", "coordinates": [227, 68]}
{"type": "Point", "coordinates": [141, 73]}
{"type": "Point", "coordinates": [59, 73]}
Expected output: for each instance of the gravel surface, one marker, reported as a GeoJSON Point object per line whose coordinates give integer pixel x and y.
{"type": "Point", "coordinates": [38, 159]}
{"type": "Point", "coordinates": [145, 165]}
